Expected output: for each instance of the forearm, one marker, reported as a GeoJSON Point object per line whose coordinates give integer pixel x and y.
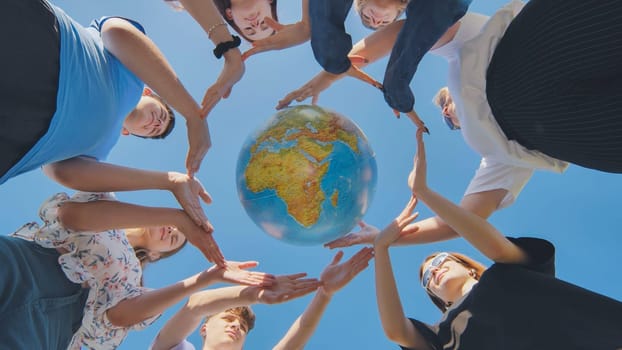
{"type": "Point", "coordinates": [200, 305]}
{"type": "Point", "coordinates": [378, 44]}
{"type": "Point", "coordinates": [151, 303]}
{"type": "Point", "coordinates": [430, 230]}
{"type": "Point", "coordinates": [303, 328]}
{"type": "Point", "coordinates": [141, 56]}
{"type": "Point", "coordinates": [206, 15]}
{"type": "Point", "coordinates": [87, 174]}
{"type": "Point", "coordinates": [476, 230]}
{"type": "Point", "coordinates": [105, 215]}
{"type": "Point", "coordinates": [387, 297]}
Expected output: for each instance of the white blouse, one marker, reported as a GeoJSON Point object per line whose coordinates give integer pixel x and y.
{"type": "Point", "coordinates": [505, 163]}
{"type": "Point", "coordinates": [105, 261]}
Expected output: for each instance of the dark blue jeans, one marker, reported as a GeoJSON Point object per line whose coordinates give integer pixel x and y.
{"type": "Point", "coordinates": [39, 307]}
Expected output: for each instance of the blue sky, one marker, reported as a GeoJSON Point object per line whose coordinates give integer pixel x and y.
{"type": "Point", "coordinates": [578, 211]}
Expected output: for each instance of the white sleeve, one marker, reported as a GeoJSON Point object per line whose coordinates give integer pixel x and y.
{"type": "Point", "coordinates": [184, 345]}
{"type": "Point", "coordinates": [493, 175]}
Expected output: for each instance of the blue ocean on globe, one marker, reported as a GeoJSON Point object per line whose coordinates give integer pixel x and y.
{"type": "Point", "coordinates": [307, 176]}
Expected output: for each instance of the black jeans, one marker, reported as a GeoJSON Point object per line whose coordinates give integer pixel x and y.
{"type": "Point", "coordinates": [29, 70]}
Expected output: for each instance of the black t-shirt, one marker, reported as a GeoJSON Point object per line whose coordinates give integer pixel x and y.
{"type": "Point", "coordinates": [524, 307]}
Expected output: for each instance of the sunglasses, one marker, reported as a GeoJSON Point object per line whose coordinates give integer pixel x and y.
{"type": "Point", "coordinates": [436, 262]}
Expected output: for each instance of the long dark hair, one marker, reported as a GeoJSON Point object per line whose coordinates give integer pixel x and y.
{"type": "Point", "coordinates": [223, 5]}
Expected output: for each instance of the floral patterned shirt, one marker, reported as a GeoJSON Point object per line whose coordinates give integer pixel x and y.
{"type": "Point", "coordinates": [105, 261]}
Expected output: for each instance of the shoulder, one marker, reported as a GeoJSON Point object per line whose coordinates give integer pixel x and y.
{"type": "Point", "coordinates": [98, 24]}
{"type": "Point", "coordinates": [541, 253]}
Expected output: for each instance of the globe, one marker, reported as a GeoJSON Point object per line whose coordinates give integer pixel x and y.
{"type": "Point", "coordinates": [307, 176]}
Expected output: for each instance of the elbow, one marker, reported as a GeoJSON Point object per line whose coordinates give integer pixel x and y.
{"type": "Point", "coordinates": [69, 216]}
{"type": "Point", "coordinates": [115, 31]}
{"type": "Point", "coordinates": [56, 171]}
{"type": "Point", "coordinates": [119, 319]}
{"type": "Point", "coordinates": [62, 173]}
{"type": "Point", "coordinates": [392, 334]}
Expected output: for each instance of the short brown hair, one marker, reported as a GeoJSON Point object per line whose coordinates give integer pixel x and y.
{"type": "Point", "coordinates": [461, 259]}
{"type": "Point", "coordinates": [244, 313]}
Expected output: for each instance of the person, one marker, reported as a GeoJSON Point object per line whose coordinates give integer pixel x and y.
{"type": "Point", "coordinates": [229, 317]}
{"type": "Point", "coordinates": [82, 244]}
{"type": "Point", "coordinates": [486, 90]}
{"type": "Point", "coordinates": [332, 47]}
{"type": "Point", "coordinates": [517, 303]}
{"type": "Point", "coordinates": [88, 87]}
{"type": "Point", "coordinates": [506, 165]}
{"type": "Point", "coordinates": [374, 15]}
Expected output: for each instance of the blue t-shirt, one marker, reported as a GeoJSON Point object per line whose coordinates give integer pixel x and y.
{"type": "Point", "coordinates": [95, 94]}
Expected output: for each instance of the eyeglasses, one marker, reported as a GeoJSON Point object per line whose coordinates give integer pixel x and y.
{"type": "Point", "coordinates": [436, 262]}
{"type": "Point", "coordinates": [450, 123]}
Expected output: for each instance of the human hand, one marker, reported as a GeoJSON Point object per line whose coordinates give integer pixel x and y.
{"type": "Point", "coordinates": [200, 238]}
{"type": "Point", "coordinates": [236, 272]}
{"type": "Point", "coordinates": [357, 73]}
{"type": "Point", "coordinates": [366, 235]}
{"type": "Point", "coordinates": [335, 276]}
{"type": "Point", "coordinates": [288, 287]}
{"type": "Point", "coordinates": [187, 190]}
{"type": "Point", "coordinates": [414, 117]}
{"type": "Point", "coordinates": [231, 73]}
{"type": "Point", "coordinates": [286, 35]}
{"type": "Point", "coordinates": [312, 89]}
{"type": "Point", "coordinates": [398, 227]}
{"type": "Point", "coordinates": [417, 179]}
{"type": "Point", "coordinates": [199, 142]}
{"type": "Point", "coordinates": [323, 81]}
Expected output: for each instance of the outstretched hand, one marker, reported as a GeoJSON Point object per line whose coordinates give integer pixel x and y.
{"type": "Point", "coordinates": [366, 235]}
{"type": "Point", "coordinates": [288, 287]}
{"type": "Point", "coordinates": [400, 226]}
{"type": "Point", "coordinates": [335, 276]}
{"type": "Point", "coordinates": [286, 35]}
{"type": "Point", "coordinates": [202, 239]}
{"type": "Point", "coordinates": [312, 89]}
{"type": "Point", "coordinates": [231, 73]}
{"type": "Point", "coordinates": [417, 179]}
{"type": "Point", "coordinates": [324, 80]}
{"type": "Point", "coordinates": [188, 190]}
{"type": "Point", "coordinates": [236, 272]}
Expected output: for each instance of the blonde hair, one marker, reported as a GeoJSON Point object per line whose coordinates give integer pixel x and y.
{"type": "Point", "coordinates": [477, 267]}
{"type": "Point", "coordinates": [441, 97]}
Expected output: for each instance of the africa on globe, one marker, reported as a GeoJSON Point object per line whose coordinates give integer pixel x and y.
{"type": "Point", "coordinates": [307, 176]}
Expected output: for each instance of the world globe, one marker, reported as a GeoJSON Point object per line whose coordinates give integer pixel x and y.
{"type": "Point", "coordinates": [307, 176]}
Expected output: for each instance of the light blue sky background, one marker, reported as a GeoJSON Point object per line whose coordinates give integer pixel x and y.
{"type": "Point", "coordinates": [579, 211]}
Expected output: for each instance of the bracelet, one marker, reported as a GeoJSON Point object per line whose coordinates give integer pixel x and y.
{"type": "Point", "coordinates": [211, 29]}
{"type": "Point", "coordinates": [226, 46]}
